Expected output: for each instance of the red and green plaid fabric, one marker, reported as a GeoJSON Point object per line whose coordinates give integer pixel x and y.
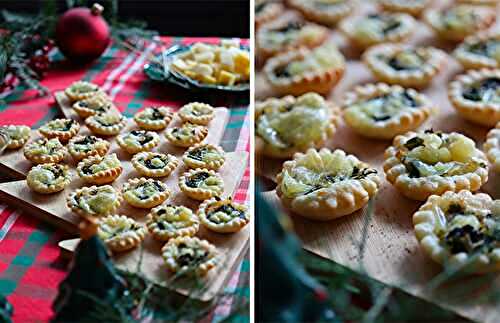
{"type": "Point", "coordinates": [30, 267]}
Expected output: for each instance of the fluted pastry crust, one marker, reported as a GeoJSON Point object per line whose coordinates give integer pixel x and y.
{"type": "Point", "coordinates": [81, 90]}
{"type": "Point", "coordinates": [323, 12]}
{"type": "Point", "coordinates": [120, 233]}
{"type": "Point", "coordinates": [94, 201]}
{"type": "Point", "coordinates": [457, 230]}
{"type": "Point", "coordinates": [268, 12]}
{"type": "Point", "coordinates": [492, 147]}
{"type": "Point", "coordinates": [145, 193]}
{"type": "Point", "coordinates": [186, 135]}
{"type": "Point", "coordinates": [81, 147]}
{"type": "Point", "coordinates": [99, 169]}
{"type": "Point", "coordinates": [63, 129]}
{"type": "Point", "coordinates": [152, 164]}
{"type": "Point", "coordinates": [153, 118]}
{"type": "Point", "coordinates": [169, 221]}
{"type": "Point", "coordinates": [18, 135]}
{"type": "Point", "coordinates": [223, 216]}
{"type": "Point", "coordinates": [412, 7]}
{"type": "Point", "coordinates": [138, 140]}
{"type": "Point", "coordinates": [48, 178]}
{"type": "Point", "coordinates": [201, 184]}
{"type": "Point", "coordinates": [426, 63]}
{"type": "Point", "coordinates": [203, 255]}
{"type": "Point", "coordinates": [424, 164]}
{"type": "Point", "coordinates": [197, 113]}
{"type": "Point", "coordinates": [382, 111]}
{"type": "Point", "coordinates": [324, 185]}
{"type": "Point", "coordinates": [99, 103]}
{"type": "Point", "coordinates": [481, 50]}
{"type": "Point", "coordinates": [204, 156]}
{"type": "Point", "coordinates": [474, 96]}
{"type": "Point", "coordinates": [108, 124]}
{"type": "Point", "coordinates": [43, 150]}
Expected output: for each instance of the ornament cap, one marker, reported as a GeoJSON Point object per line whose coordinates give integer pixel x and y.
{"type": "Point", "coordinates": [97, 9]}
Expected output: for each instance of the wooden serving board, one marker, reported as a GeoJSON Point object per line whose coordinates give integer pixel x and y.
{"type": "Point", "coordinates": [392, 254]}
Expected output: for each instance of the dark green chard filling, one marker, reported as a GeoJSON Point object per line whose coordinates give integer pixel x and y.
{"type": "Point", "coordinates": [228, 209]}
{"type": "Point", "coordinates": [327, 180]}
{"type": "Point", "coordinates": [102, 108]}
{"type": "Point", "coordinates": [487, 48]}
{"type": "Point", "coordinates": [88, 140]}
{"type": "Point", "coordinates": [398, 65]}
{"type": "Point", "coordinates": [196, 179]}
{"type": "Point", "coordinates": [483, 90]}
{"type": "Point", "coordinates": [156, 115]}
{"type": "Point", "coordinates": [189, 257]}
{"type": "Point", "coordinates": [67, 125]}
{"type": "Point", "coordinates": [282, 71]}
{"type": "Point", "coordinates": [391, 24]}
{"type": "Point", "coordinates": [198, 153]}
{"type": "Point", "coordinates": [386, 101]}
{"type": "Point", "coordinates": [143, 193]}
{"type": "Point", "coordinates": [150, 165]}
{"type": "Point", "coordinates": [142, 136]}
{"type": "Point", "coordinates": [290, 26]}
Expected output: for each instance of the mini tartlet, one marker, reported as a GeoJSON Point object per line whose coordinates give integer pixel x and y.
{"type": "Point", "coordinates": [480, 51]}
{"type": "Point", "coordinates": [289, 125]}
{"type": "Point", "coordinates": [223, 215]}
{"type": "Point", "coordinates": [186, 135]}
{"type": "Point", "coordinates": [189, 255]}
{"type": "Point", "coordinates": [138, 140]}
{"type": "Point", "coordinates": [81, 147]}
{"type": "Point", "coordinates": [153, 118]}
{"type": "Point", "coordinates": [48, 178]}
{"type": "Point", "coordinates": [382, 111]}
{"type": "Point", "coordinates": [303, 70]}
{"type": "Point", "coordinates": [92, 105]}
{"type": "Point", "coordinates": [44, 150]}
{"type": "Point", "coordinates": [457, 22]}
{"type": "Point", "coordinates": [197, 113]}
{"type": "Point", "coordinates": [430, 163]}
{"type": "Point", "coordinates": [120, 233]}
{"type": "Point", "coordinates": [412, 7]}
{"type": "Point", "coordinates": [324, 185]}
{"type": "Point", "coordinates": [145, 193]}
{"type": "Point", "coordinates": [326, 12]}
{"type": "Point", "coordinates": [169, 221]}
{"type": "Point", "coordinates": [94, 201]}
{"type": "Point", "coordinates": [267, 10]}
{"type": "Point", "coordinates": [204, 156]}
{"type": "Point", "coordinates": [18, 135]}
{"type": "Point", "coordinates": [81, 90]}
{"type": "Point", "coordinates": [153, 164]}
{"type": "Point", "coordinates": [99, 169]}
{"type": "Point", "coordinates": [492, 147]}
{"type": "Point", "coordinates": [106, 124]}
{"type": "Point", "coordinates": [376, 28]}
{"type": "Point", "coordinates": [201, 184]}
{"type": "Point", "coordinates": [480, 2]}
{"type": "Point", "coordinates": [286, 34]}
{"type": "Point", "coordinates": [460, 231]}
{"type": "Point", "coordinates": [403, 65]}
{"type": "Point", "coordinates": [476, 97]}
{"type": "Point", "coordinates": [63, 129]}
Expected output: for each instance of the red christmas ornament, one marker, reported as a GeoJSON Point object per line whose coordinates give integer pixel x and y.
{"type": "Point", "coordinates": [82, 35]}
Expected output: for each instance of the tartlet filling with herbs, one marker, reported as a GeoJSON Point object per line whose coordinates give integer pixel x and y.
{"type": "Point", "coordinates": [486, 90]}
{"type": "Point", "coordinates": [223, 215]}
{"type": "Point", "coordinates": [204, 156]}
{"type": "Point", "coordinates": [189, 255]}
{"type": "Point", "coordinates": [154, 118]}
{"type": "Point", "coordinates": [82, 90]}
{"type": "Point", "coordinates": [18, 135]}
{"type": "Point", "coordinates": [187, 134]}
{"type": "Point", "coordinates": [120, 232]}
{"type": "Point", "coordinates": [145, 190]}
{"type": "Point", "coordinates": [92, 105]}
{"type": "Point", "coordinates": [48, 178]}
{"type": "Point", "coordinates": [94, 166]}
{"type": "Point", "coordinates": [63, 129]}
{"type": "Point", "coordinates": [168, 221]}
{"type": "Point", "coordinates": [138, 140]}
{"type": "Point", "coordinates": [95, 200]}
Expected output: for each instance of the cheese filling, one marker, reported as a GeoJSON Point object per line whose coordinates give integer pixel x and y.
{"type": "Point", "coordinates": [376, 26]}
{"type": "Point", "coordinates": [487, 91]}
{"type": "Point", "coordinates": [45, 147]}
{"type": "Point", "coordinates": [224, 212]}
{"type": "Point", "coordinates": [186, 131]}
{"type": "Point", "coordinates": [203, 180]}
{"type": "Point", "coordinates": [98, 201]}
{"type": "Point", "coordinates": [171, 218]}
{"type": "Point", "coordinates": [145, 190]}
{"type": "Point", "coordinates": [107, 162]}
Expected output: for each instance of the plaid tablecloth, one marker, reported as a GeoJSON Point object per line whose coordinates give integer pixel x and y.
{"type": "Point", "coordinates": [30, 267]}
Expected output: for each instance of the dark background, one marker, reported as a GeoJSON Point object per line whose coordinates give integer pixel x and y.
{"type": "Point", "coordinates": [220, 18]}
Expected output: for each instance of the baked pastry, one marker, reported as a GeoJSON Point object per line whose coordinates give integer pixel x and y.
{"type": "Point", "coordinates": [106, 124]}
{"type": "Point", "coordinates": [403, 65]}
{"type": "Point", "coordinates": [267, 10]}
{"type": "Point", "coordinates": [480, 50]}
{"type": "Point", "coordinates": [457, 22]}
{"type": "Point", "coordinates": [186, 135]}
{"type": "Point", "coordinates": [223, 215]}
{"type": "Point", "coordinates": [81, 147]}
{"type": "Point", "coordinates": [48, 178]}
{"type": "Point", "coordinates": [430, 163]}
{"type": "Point", "coordinates": [476, 96]}
{"type": "Point", "coordinates": [326, 12]}
{"type": "Point", "coordinates": [204, 156]}
{"type": "Point", "coordinates": [324, 185]}
{"type": "Point", "coordinates": [120, 233]}
{"type": "Point", "coordinates": [197, 113]}
{"type": "Point", "coordinates": [18, 135]}
{"type": "Point", "coordinates": [382, 111]}
{"type": "Point", "coordinates": [99, 169]}
{"type": "Point", "coordinates": [99, 103]}
{"type": "Point", "coordinates": [201, 184]}
{"type": "Point", "coordinates": [301, 71]}
{"type": "Point", "coordinates": [189, 255]}
{"type": "Point", "coordinates": [480, 2]}
{"type": "Point", "coordinates": [492, 147]}
{"type": "Point", "coordinates": [411, 7]}
{"type": "Point", "coordinates": [371, 29]}
{"type": "Point", "coordinates": [145, 193]}
{"type": "Point", "coordinates": [152, 164]}
{"type": "Point", "coordinates": [170, 221]}
{"type": "Point", "coordinates": [63, 129]}
{"type": "Point", "coordinates": [290, 124]}
{"type": "Point", "coordinates": [153, 118]}
{"type": "Point", "coordinates": [94, 201]}
{"type": "Point", "coordinates": [288, 33]}
{"type": "Point", "coordinates": [81, 90]}
{"type": "Point", "coordinates": [460, 231]}
{"type": "Point", "coordinates": [138, 140]}
{"type": "Point", "coordinates": [44, 150]}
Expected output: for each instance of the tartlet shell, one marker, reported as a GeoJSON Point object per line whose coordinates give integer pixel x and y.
{"type": "Point", "coordinates": [492, 147]}
{"type": "Point", "coordinates": [148, 203]}
{"type": "Point", "coordinates": [17, 143]}
{"type": "Point", "coordinates": [155, 125]}
{"type": "Point", "coordinates": [329, 18]}
{"type": "Point", "coordinates": [164, 235]}
{"type": "Point", "coordinates": [200, 120]}
{"type": "Point", "coordinates": [198, 137]}
{"type": "Point", "coordinates": [84, 190]}
{"type": "Point", "coordinates": [79, 155]}
{"type": "Point", "coordinates": [99, 129]}
{"type": "Point", "coordinates": [133, 149]}
{"type": "Point", "coordinates": [235, 225]}
{"type": "Point", "coordinates": [214, 164]}
{"type": "Point", "coordinates": [42, 188]}
{"type": "Point", "coordinates": [101, 177]}
{"type": "Point", "coordinates": [197, 193]}
{"type": "Point", "coordinates": [63, 136]}
{"type": "Point", "coordinates": [131, 240]}
{"type": "Point", "coordinates": [143, 170]}
{"type": "Point", "coordinates": [473, 61]}
{"type": "Point", "coordinates": [55, 157]}
{"type": "Point", "coordinates": [202, 268]}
